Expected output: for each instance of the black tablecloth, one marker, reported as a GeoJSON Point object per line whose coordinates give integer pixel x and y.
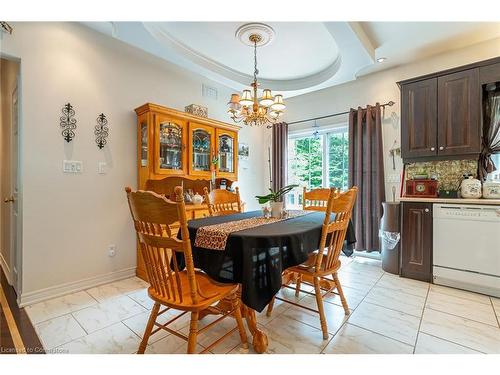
{"type": "Point", "coordinates": [256, 257]}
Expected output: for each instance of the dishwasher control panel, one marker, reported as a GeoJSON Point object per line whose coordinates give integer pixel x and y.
{"type": "Point", "coordinates": [466, 212]}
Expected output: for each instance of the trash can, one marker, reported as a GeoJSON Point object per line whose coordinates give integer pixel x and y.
{"type": "Point", "coordinates": [390, 235]}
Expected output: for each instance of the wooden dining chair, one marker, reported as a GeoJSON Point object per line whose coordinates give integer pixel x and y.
{"type": "Point", "coordinates": [188, 290]}
{"type": "Point", "coordinates": [316, 199]}
{"type": "Point", "coordinates": [222, 202]}
{"type": "Point", "coordinates": [313, 200]}
{"type": "Point", "coordinates": [325, 263]}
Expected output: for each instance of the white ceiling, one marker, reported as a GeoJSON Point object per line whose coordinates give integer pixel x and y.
{"type": "Point", "coordinates": [303, 56]}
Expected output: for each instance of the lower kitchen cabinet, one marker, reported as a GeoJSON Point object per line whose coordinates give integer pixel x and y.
{"type": "Point", "coordinates": [416, 241]}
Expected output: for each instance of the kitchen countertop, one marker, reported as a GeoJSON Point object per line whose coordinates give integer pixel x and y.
{"type": "Point", "coordinates": [495, 202]}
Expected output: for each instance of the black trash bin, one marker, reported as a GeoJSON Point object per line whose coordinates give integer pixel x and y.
{"type": "Point", "coordinates": [390, 232]}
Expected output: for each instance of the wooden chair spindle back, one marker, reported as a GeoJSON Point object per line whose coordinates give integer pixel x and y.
{"type": "Point", "coordinates": [316, 199]}
{"type": "Point", "coordinates": [222, 202]}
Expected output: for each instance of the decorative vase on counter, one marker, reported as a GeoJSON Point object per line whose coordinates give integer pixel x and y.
{"type": "Point", "coordinates": [276, 209]}
{"type": "Point", "coordinates": [470, 188]}
{"type": "Point", "coordinates": [491, 189]}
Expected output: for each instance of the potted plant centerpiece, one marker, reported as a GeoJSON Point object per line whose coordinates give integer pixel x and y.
{"type": "Point", "coordinates": [275, 198]}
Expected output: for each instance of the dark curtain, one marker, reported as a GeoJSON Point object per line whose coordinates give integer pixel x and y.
{"type": "Point", "coordinates": [279, 151]}
{"type": "Point", "coordinates": [491, 135]}
{"type": "Point", "coordinates": [366, 171]}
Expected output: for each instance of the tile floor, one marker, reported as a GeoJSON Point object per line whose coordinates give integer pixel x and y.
{"type": "Point", "coordinates": [389, 315]}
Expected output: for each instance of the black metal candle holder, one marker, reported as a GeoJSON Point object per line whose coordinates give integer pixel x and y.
{"type": "Point", "coordinates": [68, 122]}
{"type": "Point", "coordinates": [101, 130]}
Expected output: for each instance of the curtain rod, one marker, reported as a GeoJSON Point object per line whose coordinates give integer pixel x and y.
{"type": "Point", "coordinates": [389, 103]}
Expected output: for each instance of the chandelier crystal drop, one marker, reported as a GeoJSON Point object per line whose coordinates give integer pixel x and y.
{"type": "Point", "coordinates": [251, 109]}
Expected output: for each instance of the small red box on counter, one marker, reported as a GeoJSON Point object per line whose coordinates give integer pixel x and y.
{"type": "Point", "coordinates": [421, 188]}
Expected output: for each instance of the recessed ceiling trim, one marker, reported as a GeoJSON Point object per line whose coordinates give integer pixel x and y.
{"type": "Point", "coordinates": [170, 42]}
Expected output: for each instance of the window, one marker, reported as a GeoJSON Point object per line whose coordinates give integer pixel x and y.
{"type": "Point", "coordinates": [316, 161]}
{"type": "Point", "coordinates": [495, 175]}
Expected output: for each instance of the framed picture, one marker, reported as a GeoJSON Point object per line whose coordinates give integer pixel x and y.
{"type": "Point", "coordinates": [243, 151]}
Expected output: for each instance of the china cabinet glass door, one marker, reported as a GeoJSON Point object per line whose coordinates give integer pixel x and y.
{"type": "Point", "coordinates": [226, 153]}
{"type": "Point", "coordinates": [201, 149]}
{"type": "Point", "coordinates": [170, 146]}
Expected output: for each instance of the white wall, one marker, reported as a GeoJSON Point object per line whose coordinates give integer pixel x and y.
{"type": "Point", "coordinates": [381, 87]}
{"type": "Point", "coordinates": [69, 220]}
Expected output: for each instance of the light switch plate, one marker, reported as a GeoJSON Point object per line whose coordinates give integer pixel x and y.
{"type": "Point", "coordinates": [72, 166]}
{"type": "Point", "coordinates": [101, 167]}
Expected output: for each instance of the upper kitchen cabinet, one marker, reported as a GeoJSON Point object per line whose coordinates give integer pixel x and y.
{"type": "Point", "coordinates": [175, 143]}
{"type": "Point", "coordinates": [459, 106]}
{"type": "Point", "coordinates": [441, 113]}
{"type": "Point", "coordinates": [419, 118]}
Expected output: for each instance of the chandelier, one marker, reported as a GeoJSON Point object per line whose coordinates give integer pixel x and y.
{"type": "Point", "coordinates": [251, 109]}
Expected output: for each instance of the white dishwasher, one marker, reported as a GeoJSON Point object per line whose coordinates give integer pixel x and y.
{"type": "Point", "coordinates": [466, 247]}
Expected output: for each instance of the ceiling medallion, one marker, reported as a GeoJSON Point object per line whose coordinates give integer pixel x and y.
{"type": "Point", "coordinates": [248, 107]}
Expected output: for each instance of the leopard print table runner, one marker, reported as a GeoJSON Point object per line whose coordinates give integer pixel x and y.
{"type": "Point", "coordinates": [215, 236]}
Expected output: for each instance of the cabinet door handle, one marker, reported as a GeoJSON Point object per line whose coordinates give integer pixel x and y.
{"type": "Point", "coordinates": [426, 210]}
{"type": "Point", "coordinates": [441, 148]}
{"type": "Point", "coordinates": [433, 149]}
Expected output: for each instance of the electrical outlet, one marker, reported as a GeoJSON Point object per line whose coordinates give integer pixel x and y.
{"type": "Point", "coordinates": [111, 250]}
{"type": "Point", "coordinates": [72, 166]}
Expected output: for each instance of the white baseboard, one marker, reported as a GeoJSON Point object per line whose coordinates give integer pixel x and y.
{"type": "Point", "coordinates": [74, 286]}
{"type": "Point", "coordinates": [5, 268]}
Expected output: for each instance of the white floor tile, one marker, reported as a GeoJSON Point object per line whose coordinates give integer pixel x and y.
{"type": "Point", "coordinates": [396, 300]}
{"type": "Point", "coordinates": [287, 335]}
{"type": "Point", "coordinates": [390, 323]}
{"type": "Point", "coordinates": [478, 336]}
{"type": "Point", "coordinates": [142, 298]}
{"type": "Point", "coordinates": [353, 297]}
{"type": "Point", "coordinates": [138, 322]}
{"type": "Point", "coordinates": [496, 306]}
{"type": "Point", "coordinates": [171, 345]}
{"type": "Point", "coordinates": [335, 315]}
{"type": "Point", "coordinates": [58, 331]}
{"type": "Point", "coordinates": [465, 308]}
{"type": "Point", "coordinates": [427, 344]}
{"type": "Point", "coordinates": [107, 313]}
{"type": "Point", "coordinates": [116, 339]}
{"type": "Point", "coordinates": [405, 285]}
{"type": "Point", "coordinates": [354, 340]}
{"type": "Point", "coordinates": [59, 306]}
{"type": "Point", "coordinates": [117, 288]}
{"type": "Point", "coordinates": [357, 281]}
{"type": "Point", "coordinates": [460, 293]}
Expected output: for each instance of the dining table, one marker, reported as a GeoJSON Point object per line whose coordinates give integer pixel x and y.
{"type": "Point", "coordinates": [253, 251]}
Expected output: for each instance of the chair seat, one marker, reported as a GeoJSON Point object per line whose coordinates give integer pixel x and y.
{"type": "Point", "coordinates": [211, 291]}
{"type": "Point", "coordinates": [308, 267]}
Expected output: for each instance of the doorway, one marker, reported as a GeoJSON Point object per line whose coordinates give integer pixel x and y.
{"type": "Point", "coordinates": [10, 218]}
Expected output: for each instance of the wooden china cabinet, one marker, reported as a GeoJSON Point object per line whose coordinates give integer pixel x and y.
{"type": "Point", "coordinates": [177, 148]}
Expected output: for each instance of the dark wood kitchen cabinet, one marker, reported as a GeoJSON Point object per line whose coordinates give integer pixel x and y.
{"type": "Point", "coordinates": [441, 113]}
{"type": "Point", "coordinates": [419, 116]}
{"type": "Point", "coordinates": [459, 106]}
{"type": "Point", "coordinates": [416, 241]}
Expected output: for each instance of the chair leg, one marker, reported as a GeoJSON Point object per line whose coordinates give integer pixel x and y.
{"type": "Point", "coordinates": [149, 328]}
{"type": "Point", "coordinates": [297, 285]}
{"type": "Point", "coordinates": [270, 307]}
{"type": "Point", "coordinates": [239, 322]}
{"type": "Point", "coordinates": [341, 294]}
{"type": "Point", "coordinates": [193, 332]}
{"type": "Point", "coordinates": [319, 301]}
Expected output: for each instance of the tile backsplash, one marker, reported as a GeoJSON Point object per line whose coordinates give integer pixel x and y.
{"type": "Point", "coordinates": [448, 172]}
